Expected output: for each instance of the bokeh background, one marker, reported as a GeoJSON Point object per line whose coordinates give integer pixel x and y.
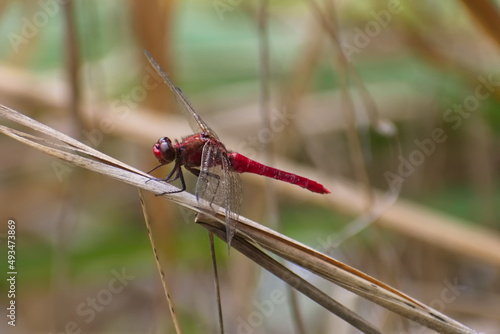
{"type": "Point", "coordinates": [430, 68]}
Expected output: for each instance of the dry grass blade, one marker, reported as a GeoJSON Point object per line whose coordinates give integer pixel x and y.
{"type": "Point", "coordinates": [77, 153]}
{"type": "Point", "coordinates": [70, 143]}
{"type": "Point", "coordinates": [243, 245]}
{"type": "Point", "coordinates": [340, 274]}
{"type": "Point", "coordinates": [249, 233]}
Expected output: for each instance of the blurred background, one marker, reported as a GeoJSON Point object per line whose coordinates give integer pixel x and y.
{"type": "Point", "coordinates": [431, 69]}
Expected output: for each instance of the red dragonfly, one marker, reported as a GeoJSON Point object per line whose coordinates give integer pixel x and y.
{"type": "Point", "coordinates": [216, 167]}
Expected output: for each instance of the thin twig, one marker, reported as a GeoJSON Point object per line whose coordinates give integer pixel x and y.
{"type": "Point", "coordinates": [216, 281]}
{"type": "Point", "coordinates": [158, 265]}
{"type": "Point", "coordinates": [73, 64]}
{"type": "Point", "coordinates": [265, 110]}
{"type": "Point", "coordinates": [295, 309]}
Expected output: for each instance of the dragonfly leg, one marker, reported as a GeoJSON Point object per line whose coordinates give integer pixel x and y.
{"type": "Point", "coordinates": [155, 168]}
{"type": "Point", "coordinates": [178, 175]}
{"type": "Point", "coordinates": [181, 176]}
{"type": "Point", "coordinates": [168, 178]}
{"type": "Point", "coordinates": [171, 177]}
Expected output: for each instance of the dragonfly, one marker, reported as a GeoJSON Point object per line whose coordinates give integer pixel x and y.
{"type": "Point", "coordinates": [217, 168]}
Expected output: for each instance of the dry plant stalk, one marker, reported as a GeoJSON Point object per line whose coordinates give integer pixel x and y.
{"type": "Point", "coordinates": [251, 238]}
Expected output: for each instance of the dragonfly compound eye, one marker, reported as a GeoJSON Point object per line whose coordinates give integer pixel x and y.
{"type": "Point", "coordinates": [164, 150]}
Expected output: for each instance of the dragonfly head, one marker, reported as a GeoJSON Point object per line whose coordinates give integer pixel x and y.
{"type": "Point", "coordinates": [164, 151]}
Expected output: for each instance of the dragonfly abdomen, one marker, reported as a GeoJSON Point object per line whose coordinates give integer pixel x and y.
{"type": "Point", "coordinates": [242, 164]}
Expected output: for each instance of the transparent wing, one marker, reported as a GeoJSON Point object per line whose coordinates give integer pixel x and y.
{"type": "Point", "coordinates": [207, 180]}
{"type": "Point", "coordinates": [233, 197]}
{"type": "Point", "coordinates": [219, 185]}
{"type": "Point", "coordinates": [178, 93]}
